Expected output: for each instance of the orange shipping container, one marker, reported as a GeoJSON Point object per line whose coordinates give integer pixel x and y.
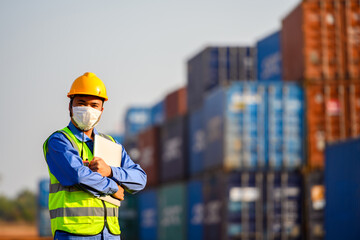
{"type": "Point", "coordinates": [175, 103]}
{"type": "Point", "coordinates": [352, 15]}
{"type": "Point", "coordinates": [327, 114]}
{"type": "Point", "coordinates": [312, 42]}
{"type": "Point", "coordinates": [354, 105]}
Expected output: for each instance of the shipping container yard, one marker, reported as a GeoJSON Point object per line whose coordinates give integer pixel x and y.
{"type": "Point", "coordinates": [260, 144]}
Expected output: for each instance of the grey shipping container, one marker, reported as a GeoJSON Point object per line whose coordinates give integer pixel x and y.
{"type": "Point", "coordinates": [218, 66]}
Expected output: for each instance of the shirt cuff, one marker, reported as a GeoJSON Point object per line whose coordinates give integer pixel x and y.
{"type": "Point", "coordinates": [113, 187]}
{"type": "Point", "coordinates": [115, 174]}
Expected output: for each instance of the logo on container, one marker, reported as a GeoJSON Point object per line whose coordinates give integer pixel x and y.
{"type": "Point", "coordinates": [271, 66]}
{"type": "Point", "coordinates": [197, 211]}
{"type": "Point", "coordinates": [171, 216]}
{"type": "Point", "coordinates": [213, 212]}
{"type": "Point", "coordinates": [146, 157]}
{"type": "Point", "coordinates": [148, 218]}
{"type": "Point", "coordinates": [172, 149]}
{"type": "Point", "coordinates": [139, 117]}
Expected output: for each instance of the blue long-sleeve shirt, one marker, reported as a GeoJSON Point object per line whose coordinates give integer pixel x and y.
{"type": "Point", "coordinates": [67, 166]}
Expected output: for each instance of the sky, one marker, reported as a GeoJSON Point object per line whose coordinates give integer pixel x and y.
{"type": "Point", "coordinates": [138, 48]}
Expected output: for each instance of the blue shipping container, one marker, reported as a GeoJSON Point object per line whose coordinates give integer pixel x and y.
{"type": "Point", "coordinates": [293, 123]}
{"type": "Point", "coordinates": [342, 178]}
{"type": "Point", "coordinates": [136, 119]}
{"type": "Point", "coordinates": [284, 205]}
{"type": "Point", "coordinates": [269, 61]}
{"type": "Point", "coordinates": [245, 205]}
{"type": "Point", "coordinates": [43, 222]}
{"type": "Point", "coordinates": [255, 127]}
{"type": "Point", "coordinates": [148, 212]}
{"type": "Point", "coordinates": [195, 210]}
{"type": "Point", "coordinates": [275, 125]}
{"type": "Point", "coordinates": [196, 142]}
{"type": "Point", "coordinates": [43, 198]}
{"type": "Point", "coordinates": [158, 113]}
{"type": "Point", "coordinates": [224, 112]}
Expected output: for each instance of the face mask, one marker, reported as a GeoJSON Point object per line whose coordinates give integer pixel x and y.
{"type": "Point", "coordinates": [85, 117]}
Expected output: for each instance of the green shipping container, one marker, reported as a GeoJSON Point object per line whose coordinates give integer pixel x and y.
{"type": "Point", "coordinates": [128, 218]}
{"type": "Point", "coordinates": [172, 212]}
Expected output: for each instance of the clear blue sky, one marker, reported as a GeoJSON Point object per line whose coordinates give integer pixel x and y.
{"type": "Point", "coordinates": [138, 48]}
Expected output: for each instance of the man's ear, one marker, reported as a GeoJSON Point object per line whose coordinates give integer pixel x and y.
{"type": "Point", "coordinates": [70, 109]}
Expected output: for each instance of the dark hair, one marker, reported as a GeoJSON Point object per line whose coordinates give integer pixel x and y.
{"type": "Point", "coordinates": [73, 96]}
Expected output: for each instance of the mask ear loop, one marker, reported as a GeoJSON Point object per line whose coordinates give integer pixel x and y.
{"type": "Point", "coordinates": [82, 145]}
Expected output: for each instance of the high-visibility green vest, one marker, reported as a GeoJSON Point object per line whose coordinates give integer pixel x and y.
{"type": "Point", "coordinates": [74, 210]}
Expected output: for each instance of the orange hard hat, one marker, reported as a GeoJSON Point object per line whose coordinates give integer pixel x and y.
{"type": "Point", "coordinates": [88, 84]}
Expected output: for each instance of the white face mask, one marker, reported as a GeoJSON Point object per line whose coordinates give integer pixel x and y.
{"type": "Point", "coordinates": [85, 117]}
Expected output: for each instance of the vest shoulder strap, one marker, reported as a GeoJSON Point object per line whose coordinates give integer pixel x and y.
{"type": "Point", "coordinates": [108, 137]}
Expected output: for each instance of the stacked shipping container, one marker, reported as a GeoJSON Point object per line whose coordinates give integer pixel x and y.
{"type": "Point", "coordinates": [240, 144]}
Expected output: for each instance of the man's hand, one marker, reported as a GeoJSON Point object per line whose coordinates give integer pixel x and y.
{"type": "Point", "coordinates": [99, 165]}
{"type": "Point", "coordinates": [119, 194]}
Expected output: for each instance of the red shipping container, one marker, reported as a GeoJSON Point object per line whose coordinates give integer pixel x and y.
{"type": "Point", "coordinates": [149, 147]}
{"type": "Point", "coordinates": [175, 103]}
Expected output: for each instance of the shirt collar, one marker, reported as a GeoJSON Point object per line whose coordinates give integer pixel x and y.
{"type": "Point", "coordinates": [79, 134]}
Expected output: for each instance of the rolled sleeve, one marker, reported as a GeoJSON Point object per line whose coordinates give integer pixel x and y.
{"type": "Point", "coordinates": [129, 175]}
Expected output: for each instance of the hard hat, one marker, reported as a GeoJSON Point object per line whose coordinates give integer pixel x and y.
{"type": "Point", "coordinates": [88, 84]}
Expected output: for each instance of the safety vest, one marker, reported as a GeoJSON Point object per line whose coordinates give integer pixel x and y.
{"type": "Point", "coordinates": [74, 210]}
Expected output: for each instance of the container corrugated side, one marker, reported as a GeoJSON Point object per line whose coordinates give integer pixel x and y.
{"type": "Point", "coordinates": [214, 205]}
{"type": "Point", "coordinates": [293, 123]}
{"type": "Point", "coordinates": [255, 126]}
{"type": "Point", "coordinates": [342, 210]}
{"type": "Point", "coordinates": [315, 205]}
{"type": "Point", "coordinates": [269, 62]}
{"type": "Point", "coordinates": [174, 155]}
{"type": "Point", "coordinates": [149, 148]}
{"type": "Point", "coordinates": [284, 192]}
{"type": "Point", "coordinates": [195, 83]}
{"type": "Point", "coordinates": [275, 125]}
{"type": "Point", "coordinates": [245, 202]}
{"type": "Point", "coordinates": [172, 212]}
{"type": "Point", "coordinates": [214, 123]}
{"type": "Point", "coordinates": [352, 10]}
{"type": "Point", "coordinates": [196, 134]}
{"type": "Point", "coordinates": [195, 210]}
{"type": "Point", "coordinates": [224, 115]}
{"type": "Point", "coordinates": [148, 213]}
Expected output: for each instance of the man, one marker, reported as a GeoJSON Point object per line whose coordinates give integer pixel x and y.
{"type": "Point", "coordinates": [77, 178]}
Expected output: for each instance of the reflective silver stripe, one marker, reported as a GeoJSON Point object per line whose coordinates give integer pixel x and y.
{"type": "Point", "coordinates": [83, 212]}
{"type": "Point", "coordinates": [71, 140]}
{"type": "Point", "coordinates": [56, 187]}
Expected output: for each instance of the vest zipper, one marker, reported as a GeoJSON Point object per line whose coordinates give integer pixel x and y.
{"type": "Point", "coordinates": [105, 215]}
